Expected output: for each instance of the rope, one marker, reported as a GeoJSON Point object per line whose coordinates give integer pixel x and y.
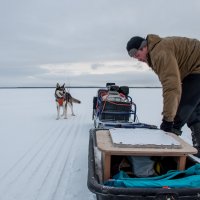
{"type": "Point", "coordinates": [113, 104]}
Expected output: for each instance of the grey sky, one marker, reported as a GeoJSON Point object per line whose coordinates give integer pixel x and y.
{"type": "Point", "coordinates": [43, 41]}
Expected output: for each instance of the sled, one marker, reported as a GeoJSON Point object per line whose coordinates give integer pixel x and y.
{"type": "Point", "coordinates": [96, 177]}
{"type": "Point", "coordinates": [113, 107]}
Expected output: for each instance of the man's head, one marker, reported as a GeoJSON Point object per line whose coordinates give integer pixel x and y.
{"type": "Point", "coordinates": [137, 48]}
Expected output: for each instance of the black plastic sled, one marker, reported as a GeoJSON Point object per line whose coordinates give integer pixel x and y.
{"type": "Point", "coordinates": [119, 193]}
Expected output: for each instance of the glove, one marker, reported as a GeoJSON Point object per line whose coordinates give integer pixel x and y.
{"type": "Point", "coordinates": [176, 129]}
{"type": "Point", "coordinates": [177, 132]}
{"type": "Point", "coordinates": [166, 126]}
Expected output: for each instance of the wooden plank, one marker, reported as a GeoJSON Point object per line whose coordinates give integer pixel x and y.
{"type": "Point", "coordinates": [104, 143]}
{"type": "Point", "coordinates": [181, 162]}
{"type": "Point", "coordinates": [106, 165]}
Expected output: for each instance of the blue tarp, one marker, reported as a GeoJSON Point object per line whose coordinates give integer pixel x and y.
{"type": "Point", "coordinates": [189, 178]}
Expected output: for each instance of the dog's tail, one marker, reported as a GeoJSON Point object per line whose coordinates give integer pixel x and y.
{"type": "Point", "coordinates": [75, 100]}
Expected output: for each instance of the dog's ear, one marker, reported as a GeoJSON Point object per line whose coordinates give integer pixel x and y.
{"type": "Point", "coordinates": [63, 86]}
{"type": "Point", "coordinates": [57, 85]}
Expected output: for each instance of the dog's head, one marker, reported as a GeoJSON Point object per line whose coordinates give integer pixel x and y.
{"type": "Point", "coordinates": [60, 90]}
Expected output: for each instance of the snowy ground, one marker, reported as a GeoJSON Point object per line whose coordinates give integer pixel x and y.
{"type": "Point", "coordinates": [46, 159]}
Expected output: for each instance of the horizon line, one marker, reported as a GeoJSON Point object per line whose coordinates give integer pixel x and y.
{"type": "Point", "coordinates": [48, 87]}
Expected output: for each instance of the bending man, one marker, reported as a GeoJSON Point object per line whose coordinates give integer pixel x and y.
{"type": "Point", "coordinates": [176, 61]}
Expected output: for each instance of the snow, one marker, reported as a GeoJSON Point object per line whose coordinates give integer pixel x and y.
{"type": "Point", "coordinates": [143, 137]}
{"type": "Point", "coordinates": [47, 159]}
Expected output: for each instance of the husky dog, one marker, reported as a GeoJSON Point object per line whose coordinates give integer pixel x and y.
{"type": "Point", "coordinates": [64, 98]}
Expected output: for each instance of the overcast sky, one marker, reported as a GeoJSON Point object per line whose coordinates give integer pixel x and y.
{"type": "Point", "coordinates": [83, 42]}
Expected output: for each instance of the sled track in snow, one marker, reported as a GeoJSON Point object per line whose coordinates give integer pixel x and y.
{"type": "Point", "coordinates": [26, 154]}
{"type": "Point", "coordinates": [63, 161]}
{"type": "Point", "coordinates": [62, 190]}
{"type": "Point", "coordinates": [17, 170]}
{"type": "Point", "coordinates": [48, 158]}
{"type": "Point", "coordinates": [52, 162]}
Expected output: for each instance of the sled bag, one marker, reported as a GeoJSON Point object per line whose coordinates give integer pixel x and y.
{"type": "Point", "coordinates": [189, 178]}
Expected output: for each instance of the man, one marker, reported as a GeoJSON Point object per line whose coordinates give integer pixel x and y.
{"type": "Point", "coordinates": [176, 61]}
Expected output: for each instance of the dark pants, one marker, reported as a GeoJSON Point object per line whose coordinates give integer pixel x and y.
{"type": "Point", "coordinates": [189, 108]}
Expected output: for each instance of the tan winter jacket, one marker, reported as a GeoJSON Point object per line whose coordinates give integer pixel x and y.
{"type": "Point", "coordinates": [172, 59]}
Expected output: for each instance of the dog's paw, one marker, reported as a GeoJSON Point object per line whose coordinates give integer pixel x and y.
{"type": "Point", "coordinates": [65, 117]}
{"type": "Point", "coordinates": [73, 114]}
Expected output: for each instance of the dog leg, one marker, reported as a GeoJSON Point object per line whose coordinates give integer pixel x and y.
{"type": "Point", "coordinates": [63, 114]}
{"type": "Point", "coordinates": [58, 111]}
{"type": "Point", "coordinates": [72, 111]}
{"type": "Point", "coordinates": [65, 110]}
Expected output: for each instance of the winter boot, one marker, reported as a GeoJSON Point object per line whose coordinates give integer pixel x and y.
{"type": "Point", "coordinates": [195, 128]}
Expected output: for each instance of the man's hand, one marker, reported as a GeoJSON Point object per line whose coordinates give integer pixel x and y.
{"type": "Point", "coordinates": [177, 132]}
{"type": "Point", "coordinates": [166, 126]}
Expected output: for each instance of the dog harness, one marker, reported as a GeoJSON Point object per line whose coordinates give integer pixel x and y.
{"type": "Point", "coordinates": [60, 101]}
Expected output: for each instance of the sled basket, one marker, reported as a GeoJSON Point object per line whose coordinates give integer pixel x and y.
{"type": "Point", "coordinates": [119, 193]}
